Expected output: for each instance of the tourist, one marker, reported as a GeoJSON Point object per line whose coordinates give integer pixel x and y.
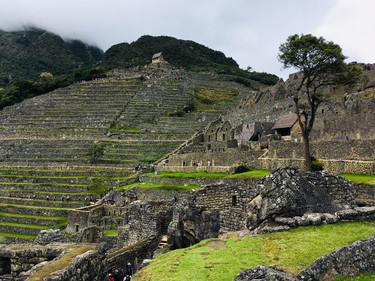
{"type": "Point", "coordinates": [129, 269]}
{"type": "Point", "coordinates": [110, 277]}
{"type": "Point", "coordinates": [118, 276]}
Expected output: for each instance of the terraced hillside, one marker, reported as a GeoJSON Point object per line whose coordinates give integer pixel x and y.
{"type": "Point", "coordinates": [65, 149]}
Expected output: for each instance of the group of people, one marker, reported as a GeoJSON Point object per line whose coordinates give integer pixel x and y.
{"type": "Point", "coordinates": [121, 275]}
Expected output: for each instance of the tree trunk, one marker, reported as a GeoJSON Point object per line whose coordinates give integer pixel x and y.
{"type": "Point", "coordinates": [306, 142]}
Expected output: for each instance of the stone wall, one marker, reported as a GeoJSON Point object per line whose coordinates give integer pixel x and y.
{"type": "Point", "coordinates": [229, 157]}
{"type": "Point", "coordinates": [350, 156]}
{"type": "Point", "coordinates": [88, 266]}
{"type": "Point", "coordinates": [23, 260]}
{"type": "Point", "coordinates": [93, 265]}
{"type": "Point", "coordinates": [355, 156]}
{"type": "Point", "coordinates": [177, 181]}
{"type": "Point", "coordinates": [364, 194]}
{"type": "Point", "coordinates": [82, 218]}
{"type": "Point", "coordinates": [356, 150]}
{"type": "Point", "coordinates": [147, 220]}
{"type": "Point", "coordinates": [339, 189]}
{"type": "Point", "coordinates": [132, 254]}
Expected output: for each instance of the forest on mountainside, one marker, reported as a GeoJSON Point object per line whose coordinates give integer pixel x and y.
{"type": "Point", "coordinates": [34, 61]}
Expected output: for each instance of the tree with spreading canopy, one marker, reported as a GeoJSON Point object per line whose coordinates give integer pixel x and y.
{"type": "Point", "coordinates": [321, 64]}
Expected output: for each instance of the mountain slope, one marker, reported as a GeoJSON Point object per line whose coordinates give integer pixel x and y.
{"type": "Point", "coordinates": [25, 54]}
{"type": "Point", "coordinates": [180, 53]}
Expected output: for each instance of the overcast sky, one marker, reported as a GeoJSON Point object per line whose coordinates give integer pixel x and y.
{"type": "Point", "coordinates": [249, 31]}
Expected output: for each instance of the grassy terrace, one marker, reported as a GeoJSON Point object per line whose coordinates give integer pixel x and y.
{"type": "Point", "coordinates": [18, 235]}
{"type": "Point", "coordinates": [22, 213]}
{"type": "Point", "coordinates": [62, 263]}
{"type": "Point", "coordinates": [223, 259]}
{"type": "Point", "coordinates": [256, 173]}
{"type": "Point", "coordinates": [26, 216]}
{"type": "Point", "coordinates": [151, 185]}
{"type": "Point", "coordinates": [360, 179]}
{"type": "Point", "coordinates": [41, 208]}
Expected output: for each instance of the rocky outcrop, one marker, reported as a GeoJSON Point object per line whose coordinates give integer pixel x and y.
{"type": "Point", "coordinates": [191, 225]}
{"type": "Point", "coordinates": [49, 236]}
{"type": "Point", "coordinates": [264, 273]}
{"type": "Point", "coordinates": [288, 193]}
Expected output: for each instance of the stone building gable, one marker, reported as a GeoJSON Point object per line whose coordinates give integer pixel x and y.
{"type": "Point", "coordinates": [157, 58]}
{"type": "Point", "coordinates": [225, 132]}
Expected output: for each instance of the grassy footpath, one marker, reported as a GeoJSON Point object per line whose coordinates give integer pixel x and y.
{"type": "Point", "coordinates": [223, 259]}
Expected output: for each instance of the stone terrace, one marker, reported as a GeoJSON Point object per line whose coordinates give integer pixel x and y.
{"type": "Point", "coordinates": [45, 142]}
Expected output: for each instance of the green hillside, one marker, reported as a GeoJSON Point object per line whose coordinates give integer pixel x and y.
{"type": "Point", "coordinates": [181, 53]}
{"type": "Point", "coordinates": [25, 54]}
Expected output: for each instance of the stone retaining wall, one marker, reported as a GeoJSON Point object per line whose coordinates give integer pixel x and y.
{"type": "Point", "coordinates": [25, 259]}
{"type": "Point", "coordinates": [352, 156]}
{"type": "Point", "coordinates": [364, 193]}
{"type": "Point", "coordinates": [181, 181]}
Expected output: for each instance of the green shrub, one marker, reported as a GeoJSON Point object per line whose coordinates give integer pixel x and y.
{"type": "Point", "coordinates": [317, 165]}
{"type": "Point", "coordinates": [96, 152]}
{"type": "Point", "coordinates": [241, 169]}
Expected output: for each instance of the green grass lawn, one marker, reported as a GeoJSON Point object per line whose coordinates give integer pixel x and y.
{"type": "Point", "coordinates": [18, 235]}
{"type": "Point", "coordinates": [192, 175]}
{"type": "Point", "coordinates": [360, 179]}
{"type": "Point", "coordinates": [165, 186]}
{"type": "Point", "coordinates": [223, 259]}
{"type": "Point", "coordinates": [255, 173]}
{"type": "Point", "coordinates": [111, 232]}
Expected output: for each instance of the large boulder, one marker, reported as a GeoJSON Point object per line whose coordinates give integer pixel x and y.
{"type": "Point", "coordinates": [288, 193]}
{"type": "Point", "coordinates": [49, 236]}
{"type": "Point", "coordinates": [264, 273]}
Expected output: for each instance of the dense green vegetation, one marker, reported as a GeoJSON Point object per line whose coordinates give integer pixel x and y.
{"type": "Point", "coordinates": [26, 53]}
{"type": "Point", "coordinates": [35, 61]}
{"type": "Point", "coordinates": [22, 89]}
{"type": "Point", "coordinates": [223, 259]}
{"type": "Point", "coordinates": [181, 53]}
